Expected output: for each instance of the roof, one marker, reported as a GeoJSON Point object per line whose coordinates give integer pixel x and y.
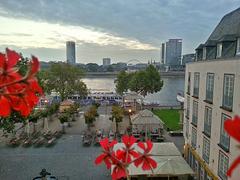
{"type": "Point", "coordinates": [169, 161]}
{"type": "Point", "coordinates": [200, 46]}
{"type": "Point", "coordinates": [228, 29]}
{"type": "Point", "coordinates": [229, 25]}
{"type": "Point", "coordinates": [145, 117]}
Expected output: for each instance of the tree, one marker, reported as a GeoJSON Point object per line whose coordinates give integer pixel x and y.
{"type": "Point", "coordinates": [63, 118]}
{"type": "Point", "coordinates": [92, 67]}
{"type": "Point", "coordinates": [64, 79]}
{"type": "Point", "coordinates": [122, 82]}
{"type": "Point", "coordinates": [143, 82]}
{"type": "Point", "coordinates": [81, 88]}
{"type": "Point", "coordinates": [90, 115]}
{"type": "Point", "coordinates": [117, 114]}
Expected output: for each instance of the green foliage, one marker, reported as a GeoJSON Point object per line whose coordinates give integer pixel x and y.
{"type": "Point", "coordinates": [81, 88]}
{"type": "Point", "coordinates": [117, 113]}
{"type": "Point", "coordinates": [63, 117]}
{"type": "Point", "coordinates": [96, 104]}
{"type": "Point", "coordinates": [92, 67]}
{"type": "Point", "coordinates": [122, 82]}
{"type": "Point", "coordinates": [90, 115]}
{"type": "Point", "coordinates": [8, 123]}
{"type": "Point", "coordinates": [143, 82]}
{"type": "Point", "coordinates": [23, 65]}
{"type": "Point", "coordinates": [64, 79]}
{"type": "Point", "coordinates": [170, 117]}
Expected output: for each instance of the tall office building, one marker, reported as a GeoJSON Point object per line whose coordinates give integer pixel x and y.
{"type": "Point", "coordinates": [171, 52]}
{"type": "Point", "coordinates": [163, 52]}
{"type": "Point", "coordinates": [70, 51]}
{"type": "Point", "coordinates": [106, 61]}
{"type": "Point", "coordinates": [212, 95]}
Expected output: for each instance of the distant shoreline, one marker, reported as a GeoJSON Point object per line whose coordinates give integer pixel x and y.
{"type": "Point", "coordinates": [114, 74]}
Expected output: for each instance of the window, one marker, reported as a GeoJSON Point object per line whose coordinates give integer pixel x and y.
{"type": "Point", "coordinates": [204, 53]}
{"type": "Point", "coordinates": [224, 138]}
{"type": "Point", "coordinates": [209, 87]}
{"type": "Point", "coordinates": [228, 86]}
{"type": "Point", "coordinates": [206, 150]}
{"type": "Point", "coordinates": [188, 106]}
{"type": "Point", "coordinates": [196, 84]}
{"type": "Point", "coordinates": [194, 138]}
{"type": "Point", "coordinates": [208, 121]}
{"type": "Point", "coordinates": [222, 165]}
{"type": "Point", "coordinates": [189, 83]}
{"type": "Point", "coordinates": [238, 46]}
{"type": "Point", "coordinates": [195, 113]}
{"type": "Point", "coordinates": [219, 50]}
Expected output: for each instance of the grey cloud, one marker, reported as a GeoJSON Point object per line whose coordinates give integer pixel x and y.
{"type": "Point", "coordinates": [149, 21]}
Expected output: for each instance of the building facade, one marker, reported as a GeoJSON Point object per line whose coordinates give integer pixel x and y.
{"type": "Point", "coordinates": [71, 52]}
{"type": "Point", "coordinates": [212, 85]}
{"type": "Point", "coordinates": [171, 52]}
{"type": "Point", "coordinates": [106, 61]}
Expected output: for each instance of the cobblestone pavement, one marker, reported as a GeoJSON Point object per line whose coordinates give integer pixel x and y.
{"type": "Point", "coordinates": [68, 159]}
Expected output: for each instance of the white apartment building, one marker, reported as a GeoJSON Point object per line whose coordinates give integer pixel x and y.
{"type": "Point", "coordinates": [212, 95]}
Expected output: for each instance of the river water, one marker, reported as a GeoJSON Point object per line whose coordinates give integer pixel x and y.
{"type": "Point", "coordinates": [167, 95]}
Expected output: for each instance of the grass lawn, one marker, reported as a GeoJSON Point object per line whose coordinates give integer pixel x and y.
{"type": "Point", "coordinates": [170, 117]}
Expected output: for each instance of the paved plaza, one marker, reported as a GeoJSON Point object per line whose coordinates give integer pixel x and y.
{"type": "Point", "coordinates": [68, 159]}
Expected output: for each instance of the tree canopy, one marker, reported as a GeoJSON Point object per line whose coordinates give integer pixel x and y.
{"type": "Point", "coordinates": [143, 82]}
{"type": "Point", "coordinates": [64, 79]}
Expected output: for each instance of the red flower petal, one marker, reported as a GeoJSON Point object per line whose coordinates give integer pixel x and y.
{"type": "Point", "coordinates": [12, 58]}
{"type": "Point", "coordinates": [5, 108]}
{"type": "Point", "coordinates": [128, 140]}
{"type": "Point", "coordinates": [233, 166]}
{"type": "Point", "coordinates": [141, 145]}
{"type": "Point", "coordinates": [149, 146]}
{"type": "Point", "coordinates": [146, 166]}
{"type": "Point", "coordinates": [2, 61]}
{"type": "Point", "coordinates": [118, 173]}
{"type": "Point", "coordinates": [34, 66]}
{"type": "Point", "coordinates": [152, 162]}
{"type": "Point", "coordinates": [233, 127]}
{"type": "Point", "coordinates": [100, 158]}
{"type": "Point", "coordinates": [104, 143]}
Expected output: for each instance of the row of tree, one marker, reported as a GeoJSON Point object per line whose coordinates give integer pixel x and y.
{"type": "Point", "coordinates": [143, 82]}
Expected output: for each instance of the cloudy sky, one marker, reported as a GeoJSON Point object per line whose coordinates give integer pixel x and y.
{"type": "Point", "coordinates": [119, 29]}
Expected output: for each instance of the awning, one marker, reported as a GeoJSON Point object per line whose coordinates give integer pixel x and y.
{"type": "Point", "coordinates": [169, 161]}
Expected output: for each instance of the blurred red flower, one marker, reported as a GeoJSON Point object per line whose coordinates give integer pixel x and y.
{"type": "Point", "coordinates": [17, 92]}
{"type": "Point", "coordinates": [232, 127]}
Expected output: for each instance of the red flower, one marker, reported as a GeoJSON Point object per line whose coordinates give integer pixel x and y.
{"type": "Point", "coordinates": [232, 126]}
{"type": "Point", "coordinates": [106, 155]}
{"type": "Point", "coordinates": [128, 152]}
{"type": "Point", "coordinates": [17, 92]}
{"type": "Point", "coordinates": [147, 162]}
{"type": "Point", "coordinates": [119, 169]}
{"type": "Point", "coordinates": [120, 159]}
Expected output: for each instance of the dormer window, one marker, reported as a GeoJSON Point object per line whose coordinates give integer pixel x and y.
{"type": "Point", "coordinates": [219, 50]}
{"type": "Point", "coordinates": [204, 53]}
{"type": "Point", "coordinates": [238, 46]}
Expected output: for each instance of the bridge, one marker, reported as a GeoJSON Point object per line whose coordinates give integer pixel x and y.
{"type": "Point", "coordinates": [114, 74]}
